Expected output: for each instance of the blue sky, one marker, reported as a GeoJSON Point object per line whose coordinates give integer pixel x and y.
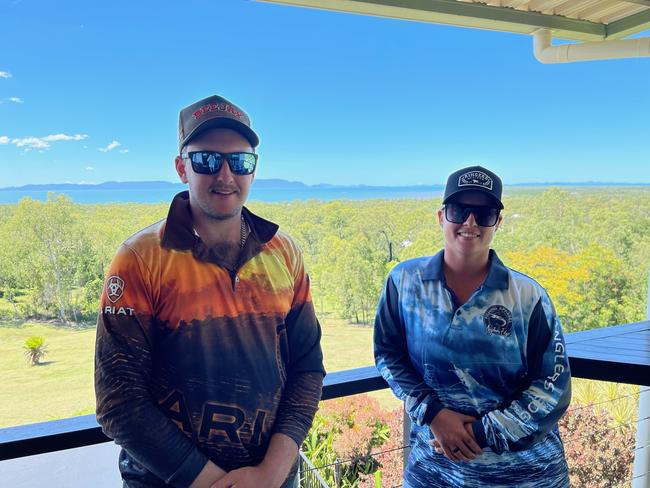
{"type": "Point", "coordinates": [90, 92]}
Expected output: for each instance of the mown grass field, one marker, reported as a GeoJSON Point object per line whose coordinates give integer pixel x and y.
{"type": "Point", "coordinates": [63, 386]}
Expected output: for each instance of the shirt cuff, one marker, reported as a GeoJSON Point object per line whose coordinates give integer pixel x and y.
{"type": "Point", "coordinates": [189, 469]}
{"type": "Point", "coordinates": [479, 433]}
{"type": "Point", "coordinates": [432, 410]}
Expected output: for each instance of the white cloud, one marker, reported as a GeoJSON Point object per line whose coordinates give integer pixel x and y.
{"type": "Point", "coordinates": [4, 74]}
{"type": "Point", "coordinates": [64, 137]}
{"type": "Point", "coordinates": [90, 168]}
{"type": "Point", "coordinates": [4, 140]}
{"type": "Point", "coordinates": [124, 151]}
{"type": "Point", "coordinates": [30, 143]}
{"type": "Point", "coordinates": [16, 100]}
{"type": "Point", "coordinates": [110, 147]}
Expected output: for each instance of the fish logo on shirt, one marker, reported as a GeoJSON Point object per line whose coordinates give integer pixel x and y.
{"type": "Point", "coordinates": [498, 320]}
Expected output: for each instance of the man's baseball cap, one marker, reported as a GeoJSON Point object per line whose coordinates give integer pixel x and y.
{"type": "Point", "coordinates": [474, 178]}
{"type": "Point", "coordinates": [211, 112]}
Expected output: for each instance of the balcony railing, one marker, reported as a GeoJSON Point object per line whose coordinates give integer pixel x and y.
{"type": "Point", "coordinates": [620, 354]}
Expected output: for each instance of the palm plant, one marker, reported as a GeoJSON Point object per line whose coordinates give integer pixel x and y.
{"type": "Point", "coordinates": [35, 349]}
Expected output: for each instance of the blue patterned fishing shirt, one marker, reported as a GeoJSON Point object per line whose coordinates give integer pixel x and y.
{"type": "Point", "coordinates": [499, 357]}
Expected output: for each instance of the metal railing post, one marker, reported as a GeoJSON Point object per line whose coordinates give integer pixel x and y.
{"type": "Point", "coordinates": [641, 472]}
{"type": "Point", "coordinates": [406, 436]}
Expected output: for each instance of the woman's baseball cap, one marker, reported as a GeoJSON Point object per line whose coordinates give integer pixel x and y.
{"type": "Point", "coordinates": [475, 178]}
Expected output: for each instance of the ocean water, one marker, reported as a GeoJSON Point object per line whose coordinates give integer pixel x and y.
{"type": "Point", "coordinates": [263, 195]}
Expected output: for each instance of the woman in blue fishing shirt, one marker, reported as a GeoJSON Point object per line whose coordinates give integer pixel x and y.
{"type": "Point", "coordinates": [476, 352]}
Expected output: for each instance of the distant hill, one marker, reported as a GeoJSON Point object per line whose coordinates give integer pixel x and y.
{"type": "Point", "coordinates": [270, 184]}
{"type": "Point", "coordinates": [142, 185]}
{"type": "Point", "coordinates": [267, 184]}
{"type": "Point", "coordinates": [109, 185]}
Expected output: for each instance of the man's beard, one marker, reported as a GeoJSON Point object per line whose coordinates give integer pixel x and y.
{"type": "Point", "coordinates": [214, 215]}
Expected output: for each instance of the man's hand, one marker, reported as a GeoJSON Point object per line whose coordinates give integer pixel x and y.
{"type": "Point", "coordinates": [208, 475]}
{"type": "Point", "coordinates": [453, 438]}
{"type": "Point", "coordinates": [249, 477]}
{"type": "Point", "coordinates": [270, 473]}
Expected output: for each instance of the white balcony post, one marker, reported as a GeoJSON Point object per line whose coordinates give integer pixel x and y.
{"type": "Point", "coordinates": [641, 472]}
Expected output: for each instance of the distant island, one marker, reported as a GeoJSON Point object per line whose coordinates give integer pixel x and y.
{"type": "Point", "coordinates": [268, 184]}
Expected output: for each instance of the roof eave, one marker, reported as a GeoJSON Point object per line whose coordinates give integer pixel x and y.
{"type": "Point", "coordinates": [474, 15]}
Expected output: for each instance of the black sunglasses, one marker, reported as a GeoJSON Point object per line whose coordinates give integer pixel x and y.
{"type": "Point", "coordinates": [458, 213]}
{"type": "Point", "coordinates": [210, 162]}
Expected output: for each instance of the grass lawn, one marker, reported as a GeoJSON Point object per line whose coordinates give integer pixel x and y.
{"type": "Point", "coordinates": [347, 346]}
{"type": "Point", "coordinates": [63, 386]}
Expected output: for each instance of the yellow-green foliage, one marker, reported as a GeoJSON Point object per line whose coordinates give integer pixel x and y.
{"type": "Point", "coordinates": [619, 400]}
{"type": "Point", "coordinates": [589, 248]}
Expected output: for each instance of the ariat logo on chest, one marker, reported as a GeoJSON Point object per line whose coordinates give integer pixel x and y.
{"type": "Point", "coordinates": [114, 288]}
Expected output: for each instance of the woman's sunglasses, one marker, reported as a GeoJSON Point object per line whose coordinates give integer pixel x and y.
{"type": "Point", "coordinates": [458, 213]}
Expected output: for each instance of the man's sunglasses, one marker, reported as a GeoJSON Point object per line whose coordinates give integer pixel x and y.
{"type": "Point", "coordinates": [458, 213]}
{"type": "Point", "coordinates": [210, 162]}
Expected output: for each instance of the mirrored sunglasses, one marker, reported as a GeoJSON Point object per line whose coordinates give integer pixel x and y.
{"type": "Point", "coordinates": [210, 162]}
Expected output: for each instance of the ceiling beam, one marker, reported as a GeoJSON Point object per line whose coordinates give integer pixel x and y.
{"type": "Point", "coordinates": [463, 14]}
{"type": "Point", "coordinates": [639, 2]}
{"type": "Point", "coordinates": [629, 25]}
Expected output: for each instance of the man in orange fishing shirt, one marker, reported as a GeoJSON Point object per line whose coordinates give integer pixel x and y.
{"type": "Point", "coordinates": [208, 366]}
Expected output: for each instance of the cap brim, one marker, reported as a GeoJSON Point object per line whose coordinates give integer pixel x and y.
{"type": "Point", "coordinates": [479, 189]}
{"type": "Point", "coordinates": [225, 123]}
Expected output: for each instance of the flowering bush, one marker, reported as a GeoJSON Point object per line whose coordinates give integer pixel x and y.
{"type": "Point", "coordinates": [360, 445]}
{"type": "Point", "coordinates": [599, 452]}
{"type": "Point", "coordinates": [346, 434]}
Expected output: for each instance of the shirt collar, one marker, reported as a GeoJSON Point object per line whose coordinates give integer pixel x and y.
{"type": "Point", "coordinates": [497, 275]}
{"type": "Point", "coordinates": [179, 233]}
{"type": "Point", "coordinates": [433, 269]}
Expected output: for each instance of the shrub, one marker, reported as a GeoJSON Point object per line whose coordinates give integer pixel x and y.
{"type": "Point", "coordinates": [360, 445]}
{"type": "Point", "coordinates": [35, 349]}
{"type": "Point", "coordinates": [599, 452]}
{"type": "Point", "coordinates": [346, 435]}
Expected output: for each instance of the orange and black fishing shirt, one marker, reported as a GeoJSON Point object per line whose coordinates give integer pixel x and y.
{"type": "Point", "coordinates": [195, 361]}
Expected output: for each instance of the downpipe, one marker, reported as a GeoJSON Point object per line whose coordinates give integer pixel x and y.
{"type": "Point", "coordinates": [587, 51]}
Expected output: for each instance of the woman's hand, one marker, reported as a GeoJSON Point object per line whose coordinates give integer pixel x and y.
{"type": "Point", "coordinates": [453, 435]}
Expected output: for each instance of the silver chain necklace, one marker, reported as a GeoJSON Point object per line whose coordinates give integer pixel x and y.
{"type": "Point", "coordinates": [243, 233]}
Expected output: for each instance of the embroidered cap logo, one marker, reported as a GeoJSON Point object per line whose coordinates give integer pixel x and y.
{"type": "Point", "coordinates": [475, 178]}
{"type": "Point", "coordinates": [216, 107]}
{"type": "Point", "coordinates": [114, 288]}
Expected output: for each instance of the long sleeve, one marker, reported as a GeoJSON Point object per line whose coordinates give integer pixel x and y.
{"type": "Point", "coordinates": [393, 361]}
{"type": "Point", "coordinates": [305, 370]}
{"type": "Point", "coordinates": [123, 364]}
{"type": "Point", "coordinates": [535, 411]}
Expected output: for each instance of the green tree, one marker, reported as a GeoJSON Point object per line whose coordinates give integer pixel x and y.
{"type": "Point", "coordinates": [50, 253]}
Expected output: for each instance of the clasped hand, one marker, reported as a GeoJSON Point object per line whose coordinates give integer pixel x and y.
{"type": "Point", "coordinates": [454, 436]}
{"type": "Point", "coordinates": [249, 477]}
